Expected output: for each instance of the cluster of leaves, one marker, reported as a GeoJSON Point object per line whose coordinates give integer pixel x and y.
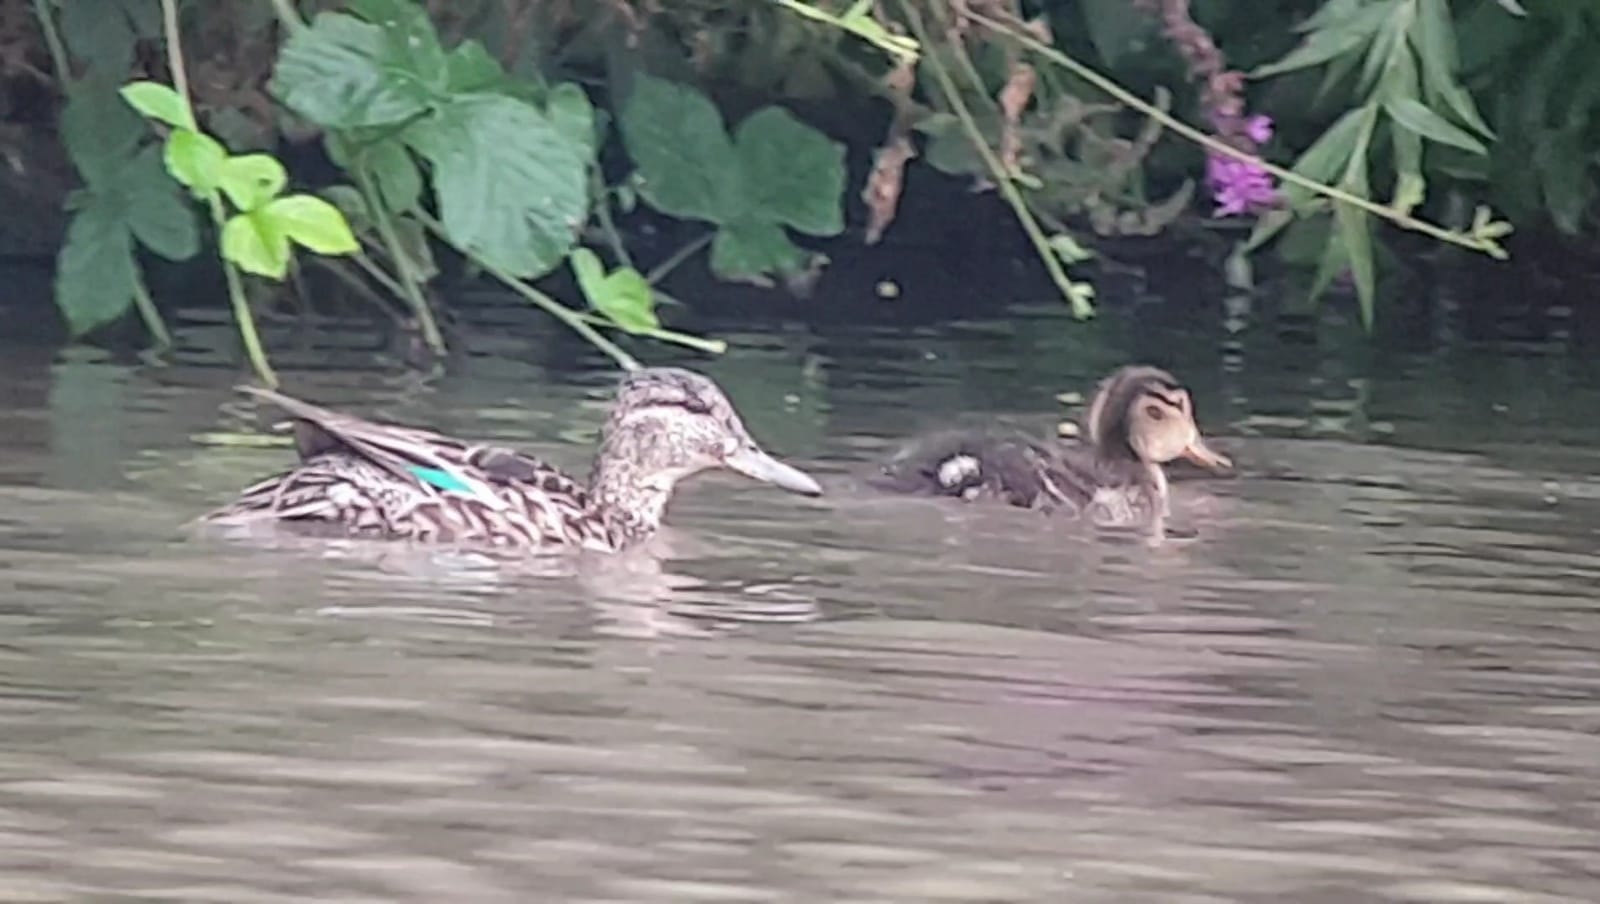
{"type": "Point", "coordinates": [439, 143]}
{"type": "Point", "coordinates": [1399, 58]}
{"type": "Point", "coordinates": [1541, 87]}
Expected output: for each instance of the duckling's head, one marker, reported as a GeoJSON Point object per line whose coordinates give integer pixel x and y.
{"type": "Point", "coordinates": [668, 424]}
{"type": "Point", "coordinates": [1144, 412]}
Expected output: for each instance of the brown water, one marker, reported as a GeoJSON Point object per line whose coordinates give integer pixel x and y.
{"type": "Point", "coordinates": [1373, 676]}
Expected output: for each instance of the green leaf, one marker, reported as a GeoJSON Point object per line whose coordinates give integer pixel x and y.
{"type": "Point", "coordinates": [95, 274]}
{"type": "Point", "coordinates": [1316, 50]}
{"type": "Point", "coordinates": [252, 180]}
{"type": "Point", "coordinates": [570, 111]}
{"type": "Point", "coordinates": [351, 203]}
{"type": "Point", "coordinates": [1331, 153]}
{"type": "Point", "coordinates": [1561, 158]}
{"type": "Point", "coordinates": [413, 238]}
{"type": "Point", "coordinates": [99, 129]}
{"type": "Point", "coordinates": [512, 188]}
{"type": "Point", "coordinates": [622, 295]}
{"type": "Point", "coordinates": [1410, 185]}
{"type": "Point", "coordinates": [411, 44]}
{"type": "Point", "coordinates": [395, 174]}
{"type": "Point", "coordinates": [312, 222]}
{"type": "Point", "coordinates": [255, 244]}
{"type": "Point", "coordinates": [1409, 113]}
{"type": "Point", "coordinates": [1387, 41]}
{"type": "Point", "coordinates": [749, 250]}
{"type": "Point", "coordinates": [1116, 28]}
{"type": "Point", "coordinates": [686, 163]}
{"type": "Point", "coordinates": [589, 271]}
{"type": "Point", "coordinates": [470, 68]}
{"type": "Point", "coordinates": [100, 34]}
{"type": "Point", "coordinates": [196, 160]}
{"type": "Point", "coordinates": [344, 73]}
{"type": "Point", "coordinates": [626, 298]}
{"type": "Point", "coordinates": [1353, 228]}
{"type": "Point", "coordinates": [157, 213]}
{"type": "Point", "coordinates": [792, 173]}
{"type": "Point", "coordinates": [160, 102]}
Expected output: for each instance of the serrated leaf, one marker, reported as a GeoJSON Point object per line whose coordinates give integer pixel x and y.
{"type": "Point", "coordinates": [342, 73]}
{"type": "Point", "coordinates": [310, 221]}
{"type": "Point", "coordinates": [686, 163]}
{"type": "Point", "coordinates": [792, 173]}
{"type": "Point", "coordinates": [252, 180]}
{"type": "Point", "coordinates": [511, 187]}
{"type": "Point", "coordinates": [1409, 113]}
{"type": "Point", "coordinates": [195, 159]}
{"type": "Point", "coordinates": [160, 102]}
{"type": "Point", "coordinates": [255, 244]}
{"type": "Point", "coordinates": [94, 270]}
{"type": "Point", "coordinates": [752, 250]}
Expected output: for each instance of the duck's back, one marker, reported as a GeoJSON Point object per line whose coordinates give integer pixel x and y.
{"type": "Point", "coordinates": [1058, 476]}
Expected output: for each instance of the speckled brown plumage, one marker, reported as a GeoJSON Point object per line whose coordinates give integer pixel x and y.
{"type": "Point", "coordinates": [386, 481]}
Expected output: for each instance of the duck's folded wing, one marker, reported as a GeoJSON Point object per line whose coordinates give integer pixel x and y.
{"type": "Point", "coordinates": [1012, 467]}
{"type": "Point", "coordinates": [436, 463]}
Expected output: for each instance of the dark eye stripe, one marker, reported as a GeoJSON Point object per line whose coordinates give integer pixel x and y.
{"type": "Point", "coordinates": [1170, 400]}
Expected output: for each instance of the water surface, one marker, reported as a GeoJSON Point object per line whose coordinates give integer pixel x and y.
{"type": "Point", "coordinates": [1372, 677]}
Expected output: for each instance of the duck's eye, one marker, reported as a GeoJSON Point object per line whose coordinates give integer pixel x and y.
{"type": "Point", "coordinates": [1154, 413]}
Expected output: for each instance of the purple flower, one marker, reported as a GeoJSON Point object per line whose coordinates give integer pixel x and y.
{"type": "Point", "coordinates": [1239, 186]}
{"type": "Point", "coordinates": [1258, 128]}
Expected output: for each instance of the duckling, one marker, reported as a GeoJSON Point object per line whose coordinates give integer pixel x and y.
{"type": "Point", "coordinates": [1139, 419]}
{"type": "Point", "coordinates": [362, 478]}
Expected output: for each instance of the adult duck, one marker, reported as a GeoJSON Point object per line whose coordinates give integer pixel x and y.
{"type": "Point", "coordinates": [384, 481]}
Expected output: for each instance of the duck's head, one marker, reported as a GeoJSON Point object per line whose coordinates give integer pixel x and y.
{"type": "Point", "coordinates": [1144, 412]}
{"type": "Point", "coordinates": [668, 424]}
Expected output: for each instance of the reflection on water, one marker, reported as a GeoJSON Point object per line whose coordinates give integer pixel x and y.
{"type": "Point", "coordinates": [1372, 677]}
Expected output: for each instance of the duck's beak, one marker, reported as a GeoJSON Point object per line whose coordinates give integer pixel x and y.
{"type": "Point", "coordinates": [1206, 457]}
{"type": "Point", "coordinates": [752, 462]}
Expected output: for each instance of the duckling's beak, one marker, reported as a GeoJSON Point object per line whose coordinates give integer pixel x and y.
{"type": "Point", "coordinates": [752, 462]}
{"type": "Point", "coordinates": [1207, 457]}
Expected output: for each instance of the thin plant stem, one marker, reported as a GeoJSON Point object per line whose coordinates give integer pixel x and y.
{"type": "Point", "coordinates": [602, 202]}
{"type": "Point", "coordinates": [148, 312]}
{"type": "Point", "coordinates": [1210, 143]}
{"type": "Point", "coordinates": [52, 40]}
{"type": "Point", "coordinates": [660, 271]}
{"type": "Point", "coordinates": [288, 15]}
{"type": "Point", "coordinates": [378, 274]}
{"type": "Point", "coordinates": [343, 274]}
{"type": "Point", "coordinates": [1075, 294]}
{"type": "Point", "coordinates": [219, 216]}
{"type": "Point", "coordinates": [409, 280]}
{"type": "Point", "coordinates": [573, 319]}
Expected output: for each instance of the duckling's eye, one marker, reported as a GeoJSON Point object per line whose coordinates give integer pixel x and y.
{"type": "Point", "coordinates": [1154, 413]}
